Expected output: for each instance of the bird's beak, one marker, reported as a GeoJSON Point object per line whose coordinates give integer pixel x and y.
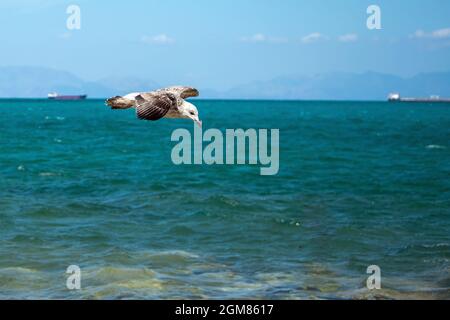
{"type": "Point", "coordinates": [199, 122]}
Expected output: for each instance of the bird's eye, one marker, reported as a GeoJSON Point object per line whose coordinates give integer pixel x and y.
{"type": "Point", "coordinates": [192, 113]}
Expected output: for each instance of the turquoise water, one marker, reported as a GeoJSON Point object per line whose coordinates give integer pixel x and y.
{"type": "Point", "coordinates": [360, 183]}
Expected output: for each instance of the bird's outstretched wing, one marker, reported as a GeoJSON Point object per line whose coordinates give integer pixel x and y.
{"type": "Point", "coordinates": [183, 92]}
{"type": "Point", "coordinates": [154, 106]}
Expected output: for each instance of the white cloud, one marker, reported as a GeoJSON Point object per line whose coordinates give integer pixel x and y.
{"type": "Point", "coordinates": [436, 34]}
{"type": "Point", "coordinates": [351, 37]}
{"type": "Point", "coordinates": [259, 37]}
{"type": "Point", "coordinates": [313, 37]}
{"type": "Point", "coordinates": [158, 39]}
{"type": "Point", "coordinates": [418, 34]}
{"type": "Point", "coordinates": [441, 33]}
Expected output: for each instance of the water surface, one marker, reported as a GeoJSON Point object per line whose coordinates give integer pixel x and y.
{"type": "Point", "coordinates": [360, 183]}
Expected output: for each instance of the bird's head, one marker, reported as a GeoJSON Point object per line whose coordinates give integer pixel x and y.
{"type": "Point", "coordinates": [190, 111]}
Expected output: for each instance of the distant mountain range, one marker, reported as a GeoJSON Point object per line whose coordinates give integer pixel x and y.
{"type": "Point", "coordinates": [37, 82]}
{"type": "Point", "coordinates": [345, 86]}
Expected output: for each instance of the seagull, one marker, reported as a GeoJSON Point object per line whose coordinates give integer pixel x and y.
{"type": "Point", "coordinates": [163, 103]}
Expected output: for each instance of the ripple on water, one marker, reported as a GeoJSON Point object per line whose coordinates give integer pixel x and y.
{"type": "Point", "coordinates": [19, 280]}
{"type": "Point", "coordinates": [436, 147]}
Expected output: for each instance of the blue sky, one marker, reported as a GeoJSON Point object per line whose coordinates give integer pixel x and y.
{"type": "Point", "coordinates": [219, 44]}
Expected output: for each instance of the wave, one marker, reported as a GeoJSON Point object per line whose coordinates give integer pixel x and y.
{"type": "Point", "coordinates": [436, 146]}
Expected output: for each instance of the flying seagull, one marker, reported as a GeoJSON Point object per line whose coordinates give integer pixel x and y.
{"type": "Point", "coordinates": [162, 103]}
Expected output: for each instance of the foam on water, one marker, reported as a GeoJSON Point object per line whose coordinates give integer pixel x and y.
{"type": "Point", "coordinates": [434, 146]}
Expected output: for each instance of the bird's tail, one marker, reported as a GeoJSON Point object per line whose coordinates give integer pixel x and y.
{"type": "Point", "coordinates": [120, 103]}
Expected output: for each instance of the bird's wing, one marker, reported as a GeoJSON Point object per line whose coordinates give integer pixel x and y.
{"type": "Point", "coordinates": [154, 106]}
{"type": "Point", "coordinates": [183, 92]}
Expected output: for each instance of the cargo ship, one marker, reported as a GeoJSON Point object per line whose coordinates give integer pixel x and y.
{"type": "Point", "coordinates": [395, 97]}
{"type": "Point", "coordinates": [56, 96]}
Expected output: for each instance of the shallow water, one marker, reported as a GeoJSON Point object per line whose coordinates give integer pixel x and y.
{"type": "Point", "coordinates": [360, 183]}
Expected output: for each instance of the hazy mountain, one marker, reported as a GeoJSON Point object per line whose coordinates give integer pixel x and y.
{"type": "Point", "coordinates": [30, 82]}
{"type": "Point", "coordinates": [345, 86]}
{"type": "Point", "coordinates": [37, 82]}
{"type": "Point", "coordinates": [124, 85]}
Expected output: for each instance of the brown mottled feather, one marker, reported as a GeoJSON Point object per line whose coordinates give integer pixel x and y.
{"type": "Point", "coordinates": [183, 92]}
{"type": "Point", "coordinates": [119, 103]}
{"type": "Point", "coordinates": [154, 106]}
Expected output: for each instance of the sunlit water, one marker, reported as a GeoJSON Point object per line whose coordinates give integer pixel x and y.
{"type": "Point", "coordinates": [359, 184]}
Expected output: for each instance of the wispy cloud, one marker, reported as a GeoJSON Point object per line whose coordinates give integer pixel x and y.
{"type": "Point", "coordinates": [436, 34]}
{"type": "Point", "coordinates": [313, 37]}
{"type": "Point", "coordinates": [350, 37]}
{"type": "Point", "coordinates": [259, 37]}
{"type": "Point", "coordinates": [158, 39]}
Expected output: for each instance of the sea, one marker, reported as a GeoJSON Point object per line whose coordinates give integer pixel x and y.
{"type": "Point", "coordinates": [92, 205]}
